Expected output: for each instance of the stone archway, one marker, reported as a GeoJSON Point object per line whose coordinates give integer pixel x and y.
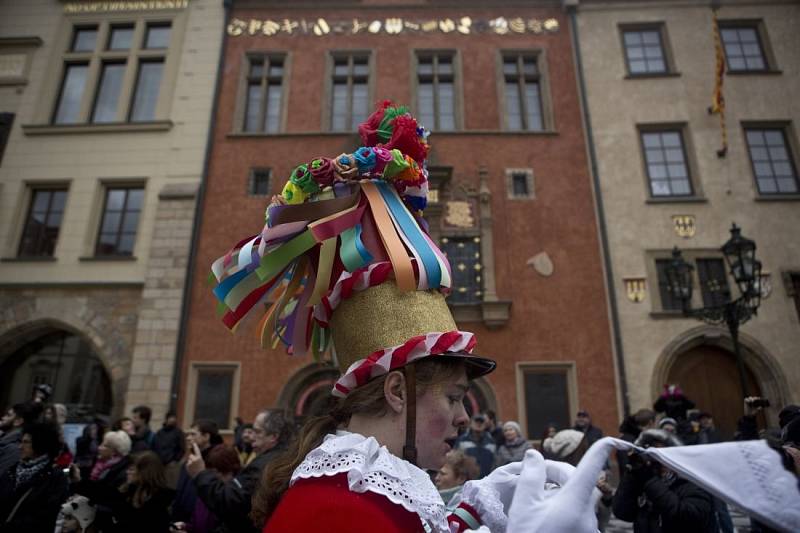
{"type": "Point", "coordinates": [308, 391]}
{"type": "Point", "coordinates": [36, 317]}
{"type": "Point", "coordinates": [766, 372]}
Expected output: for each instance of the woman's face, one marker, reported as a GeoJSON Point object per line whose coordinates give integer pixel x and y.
{"type": "Point", "coordinates": [446, 478]}
{"type": "Point", "coordinates": [128, 427]}
{"type": "Point", "coordinates": [93, 431]}
{"type": "Point", "coordinates": [104, 451]}
{"type": "Point", "coordinates": [131, 474]}
{"type": "Point", "coordinates": [440, 412]}
{"type": "Point", "coordinates": [510, 434]}
{"type": "Point", "coordinates": [26, 447]}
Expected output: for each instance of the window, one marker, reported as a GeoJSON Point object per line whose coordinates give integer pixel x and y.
{"type": "Point", "coordinates": [665, 159]}
{"type": "Point", "coordinates": [549, 397]}
{"type": "Point", "coordinates": [713, 282]}
{"type": "Point", "coordinates": [436, 103]}
{"type": "Point", "coordinates": [264, 94]}
{"type": "Point", "coordinates": [523, 96]}
{"type": "Point", "coordinates": [743, 49]}
{"type": "Point", "coordinates": [100, 61]}
{"type": "Point", "coordinates": [772, 163]}
{"type": "Point", "coordinates": [520, 183]}
{"type": "Point", "coordinates": [43, 222]}
{"type": "Point", "coordinates": [350, 91]}
{"type": "Point", "coordinates": [258, 184]}
{"type": "Point", "coordinates": [120, 221]}
{"type": "Point", "coordinates": [669, 302]}
{"type": "Point", "coordinates": [464, 254]}
{"type": "Point", "coordinates": [213, 392]}
{"type": "Point", "coordinates": [6, 120]}
{"type": "Point", "coordinates": [644, 51]}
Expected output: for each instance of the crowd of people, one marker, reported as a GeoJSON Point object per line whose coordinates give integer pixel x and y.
{"type": "Point", "coordinates": [128, 478]}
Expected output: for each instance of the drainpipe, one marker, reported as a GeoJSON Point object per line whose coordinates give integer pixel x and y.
{"type": "Point", "coordinates": [571, 7]}
{"type": "Point", "coordinates": [201, 194]}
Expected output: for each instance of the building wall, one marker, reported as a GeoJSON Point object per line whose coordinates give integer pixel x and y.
{"type": "Point", "coordinates": [166, 156]}
{"type": "Point", "coordinates": [636, 226]}
{"type": "Point", "coordinates": [561, 318]}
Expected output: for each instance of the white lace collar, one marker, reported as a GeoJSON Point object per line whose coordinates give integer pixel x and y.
{"type": "Point", "coordinates": [370, 467]}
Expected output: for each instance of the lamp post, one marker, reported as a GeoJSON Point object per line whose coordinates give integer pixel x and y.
{"type": "Point", "coordinates": [740, 255]}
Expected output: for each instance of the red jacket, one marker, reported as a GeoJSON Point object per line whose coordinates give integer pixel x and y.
{"type": "Point", "coordinates": [328, 504]}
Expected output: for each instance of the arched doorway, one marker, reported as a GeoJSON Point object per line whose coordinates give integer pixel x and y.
{"type": "Point", "coordinates": [65, 361]}
{"type": "Point", "coordinates": [709, 377]}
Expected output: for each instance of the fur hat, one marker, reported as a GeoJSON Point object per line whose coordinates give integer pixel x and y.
{"type": "Point", "coordinates": [667, 420]}
{"type": "Point", "coordinates": [563, 443]}
{"type": "Point", "coordinates": [652, 437]}
{"type": "Point", "coordinates": [119, 441]}
{"type": "Point", "coordinates": [81, 509]}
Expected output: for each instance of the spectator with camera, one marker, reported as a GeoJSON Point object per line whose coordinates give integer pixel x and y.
{"type": "Point", "coordinates": [655, 500]}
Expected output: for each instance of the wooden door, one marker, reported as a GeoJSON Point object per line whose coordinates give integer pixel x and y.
{"type": "Point", "coordinates": [708, 377]}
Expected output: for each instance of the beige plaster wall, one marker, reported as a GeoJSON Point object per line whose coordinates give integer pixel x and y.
{"type": "Point", "coordinates": [617, 105]}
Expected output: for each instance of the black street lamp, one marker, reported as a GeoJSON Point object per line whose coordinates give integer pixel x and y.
{"type": "Point", "coordinates": [740, 255]}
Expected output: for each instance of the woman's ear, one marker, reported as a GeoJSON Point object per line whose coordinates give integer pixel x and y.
{"type": "Point", "coordinates": [394, 391]}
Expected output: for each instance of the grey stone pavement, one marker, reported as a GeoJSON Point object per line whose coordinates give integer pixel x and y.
{"type": "Point", "coordinates": [740, 521]}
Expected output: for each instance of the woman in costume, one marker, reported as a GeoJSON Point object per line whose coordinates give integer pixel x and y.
{"type": "Point", "coordinates": [347, 261]}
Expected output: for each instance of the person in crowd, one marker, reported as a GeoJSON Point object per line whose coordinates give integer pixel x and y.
{"type": "Point", "coordinates": [568, 445]}
{"type": "Point", "coordinates": [86, 448]}
{"type": "Point", "coordinates": [458, 468]}
{"type": "Point", "coordinates": [169, 442]}
{"type": "Point", "coordinates": [142, 437]}
{"type": "Point", "coordinates": [24, 413]}
{"type": "Point", "coordinates": [77, 516]}
{"type": "Point", "coordinates": [41, 393]}
{"type": "Point", "coordinates": [708, 431]}
{"type": "Point", "coordinates": [245, 447]}
{"type": "Point", "coordinates": [202, 437]}
{"type": "Point", "coordinates": [668, 424]}
{"type": "Point", "coordinates": [630, 429]}
{"type": "Point", "coordinates": [32, 490]}
{"type": "Point", "coordinates": [231, 501]}
{"type": "Point", "coordinates": [583, 423]}
{"type": "Point", "coordinates": [125, 424]}
{"type": "Point", "coordinates": [549, 432]}
{"type": "Point", "coordinates": [7, 421]}
{"type": "Point", "coordinates": [655, 499]}
{"type": "Point", "coordinates": [494, 428]}
{"type": "Point", "coordinates": [513, 447]}
{"type": "Point", "coordinates": [673, 403]}
{"type": "Point", "coordinates": [145, 497]}
{"type": "Point", "coordinates": [478, 443]}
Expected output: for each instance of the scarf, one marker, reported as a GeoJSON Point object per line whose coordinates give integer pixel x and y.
{"type": "Point", "coordinates": [102, 465]}
{"type": "Point", "coordinates": [26, 470]}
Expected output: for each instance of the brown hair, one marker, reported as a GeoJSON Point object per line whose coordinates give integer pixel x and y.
{"type": "Point", "coordinates": [224, 459]}
{"type": "Point", "coordinates": [151, 478]}
{"type": "Point", "coordinates": [367, 400]}
{"type": "Point", "coordinates": [463, 465]}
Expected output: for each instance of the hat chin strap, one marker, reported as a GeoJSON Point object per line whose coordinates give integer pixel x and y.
{"type": "Point", "coordinates": [410, 449]}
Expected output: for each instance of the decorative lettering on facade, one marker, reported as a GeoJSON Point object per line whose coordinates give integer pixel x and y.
{"type": "Point", "coordinates": [389, 26]}
{"type": "Point", "coordinates": [12, 65]}
{"type": "Point", "coordinates": [124, 5]}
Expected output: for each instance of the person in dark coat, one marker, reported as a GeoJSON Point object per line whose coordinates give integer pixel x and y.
{"type": "Point", "coordinates": [144, 499]}
{"type": "Point", "coordinates": [170, 441]}
{"type": "Point", "coordinates": [630, 429]}
{"type": "Point", "coordinates": [656, 500]}
{"type": "Point", "coordinates": [514, 446]}
{"type": "Point", "coordinates": [86, 447]}
{"type": "Point", "coordinates": [478, 443]}
{"type": "Point", "coordinates": [143, 437]}
{"type": "Point", "coordinates": [204, 436]}
{"type": "Point", "coordinates": [673, 403]}
{"type": "Point", "coordinates": [32, 490]}
{"type": "Point", "coordinates": [23, 414]}
{"type": "Point", "coordinates": [231, 501]}
{"type": "Point", "coordinates": [583, 423]}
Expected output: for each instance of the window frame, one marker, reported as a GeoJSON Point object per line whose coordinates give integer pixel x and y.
{"type": "Point", "coordinates": [30, 194]}
{"type": "Point", "coordinates": [767, 53]}
{"type": "Point", "coordinates": [690, 255]}
{"type": "Point", "coordinates": [670, 69]}
{"type": "Point", "coordinates": [478, 298]}
{"type": "Point", "coordinates": [688, 156]}
{"type": "Point", "coordinates": [106, 186]}
{"type": "Point", "coordinates": [247, 61]}
{"type": "Point", "coordinates": [530, 183]}
{"type": "Point", "coordinates": [44, 117]}
{"type": "Point", "coordinates": [791, 145]}
{"type": "Point", "coordinates": [195, 367]}
{"type": "Point", "coordinates": [330, 68]}
{"type": "Point", "coordinates": [545, 101]}
{"type": "Point", "coordinates": [458, 98]}
{"type": "Point", "coordinates": [568, 367]}
{"type": "Point", "coordinates": [251, 181]}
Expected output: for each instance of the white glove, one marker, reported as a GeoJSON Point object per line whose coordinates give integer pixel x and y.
{"type": "Point", "coordinates": [491, 496]}
{"type": "Point", "coordinates": [569, 509]}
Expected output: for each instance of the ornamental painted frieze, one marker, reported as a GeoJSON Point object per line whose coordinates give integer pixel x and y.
{"type": "Point", "coordinates": [391, 26]}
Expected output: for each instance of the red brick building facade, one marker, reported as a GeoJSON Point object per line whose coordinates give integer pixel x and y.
{"type": "Point", "coordinates": [512, 200]}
